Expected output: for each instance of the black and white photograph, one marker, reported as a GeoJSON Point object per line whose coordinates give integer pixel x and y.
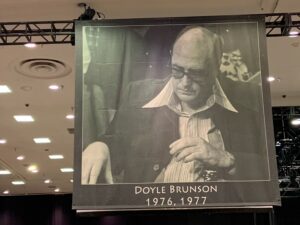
{"type": "Point", "coordinates": [171, 104]}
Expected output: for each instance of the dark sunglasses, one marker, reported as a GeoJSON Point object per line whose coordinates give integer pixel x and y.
{"type": "Point", "coordinates": [195, 75]}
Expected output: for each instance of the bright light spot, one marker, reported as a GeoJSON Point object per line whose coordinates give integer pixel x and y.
{"type": "Point", "coordinates": [21, 157]}
{"type": "Point", "coordinates": [56, 190]}
{"type": "Point", "coordinates": [67, 170]}
{"type": "Point", "coordinates": [293, 33]}
{"type": "Point", "coordinates": [4, 172]}
{"type": "Point", "coordinates": [18, 182]}
{"type": "Point", "coordinates": [30, 45]}
{"type": "Point", "coordinates": [4, 89]}
{"type": "Point", "coordinates": [48, 181]}
{"type": "Point", "coordinates": [33, 169]}
{"type": "Point", "coordinates": [55, 87]}
{"type": "Point", "coordinates": [70, 116]}
{"type": "Point", "coordinates": [3, 141]}
{"type": "Point", "coordinates": [295, 122]}
{"type": "Point", "coordinates": [56, 156]}
{"type": "Point", "coordinates": [42, 140]}
{"type": "Point", "coordinates": [71, 180]}
{"type": "Point", "coordinates": [6, 192]}
{"type": "Point", "coordinates": [23, 118]}
{"type": "Point", "coordinates": [271, 79]}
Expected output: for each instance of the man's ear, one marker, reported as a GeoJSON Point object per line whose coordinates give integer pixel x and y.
{"type": "Point", "coordinates": [170, 58]}
{"type": "Point", "coordinates": [218, 42]}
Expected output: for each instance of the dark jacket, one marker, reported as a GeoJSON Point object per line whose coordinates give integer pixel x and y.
{"type": "Point", "coordinates": [139, 138]}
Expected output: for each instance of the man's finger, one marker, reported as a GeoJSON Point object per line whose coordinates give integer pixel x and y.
{"type": "Point", "coordinates": [96, 169]}
{"type": "Point", "coordinates": [107, 173]}
{"type": "Point", "coordinates": [182, 143]}
{"type": "Point", "coordinates": [85, 170]}
{"type": "Point", "coordinates": [184, 153]}
{"type": "Point", "coordinates": [193, 156]}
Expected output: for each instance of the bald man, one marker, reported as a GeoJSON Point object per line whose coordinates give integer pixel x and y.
{"type": "Point", "coordinates": [182, 129]}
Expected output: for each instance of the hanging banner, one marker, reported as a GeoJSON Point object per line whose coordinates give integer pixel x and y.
{"type": "Point", "coordinates": [173, 113]}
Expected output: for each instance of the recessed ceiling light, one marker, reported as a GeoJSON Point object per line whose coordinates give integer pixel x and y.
{"type": "Point", "coordinates": [56, 156]}
{"type": "Point", "coordinates": [4, 172]}
{"type": "Point", "coordinates": [67, 170]}
{"type": "Point", "coordinates": [56, 190]}
{"type": "Point", "coordinates": [23, 118]}
{"type": "Point", "coordinates": [295, 121]}
{"type": "Point", "coordinates": [55, 87]}
{"type": "Point", "coordinates": [42, 140]}
{"type": "Point", "coordinates": [21, 157]}
{"type": "Point", "coordinates": [4, 89]}
{"type": "Point", "coordinates": [6, 192]}
{"type": "Point", "coordinates": [33, 169]}
{"type": "Point", "coordinates": [71, 180]}
{"type": "Point", "coordinates": [30, 45]}
{"type": "Point", "coordinates": [47, 181]}
{"type": "Point", "coordinates": [3, 141]}
{"type": "Point", "coordinates": [271, 79]}
{"type": "Point", "coordinates": [18, 182]}
{"type": "Point", "coordinates": [293, 33]}
{"type": "Point", "coordinates": [70, 116]}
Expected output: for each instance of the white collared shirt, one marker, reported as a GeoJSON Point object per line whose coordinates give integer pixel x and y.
{"type": "Point", "coordinates": [193, 125]}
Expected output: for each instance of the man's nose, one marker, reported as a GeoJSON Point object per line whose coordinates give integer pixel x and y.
{"type": "Point", "coordinates": [186, 81]}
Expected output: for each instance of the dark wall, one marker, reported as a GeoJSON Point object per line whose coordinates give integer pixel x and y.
{"type": "Point", "coordinates": [56, 210]}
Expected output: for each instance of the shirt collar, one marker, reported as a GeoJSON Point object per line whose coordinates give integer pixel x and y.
{"type": "Point", "coordinates": [166, 98]}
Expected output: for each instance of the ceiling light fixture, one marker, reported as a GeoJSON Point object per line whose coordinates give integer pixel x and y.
{"type": "Point", "coordinates": [42, 140]}
{"type": "Point", "coordinates": [24, 118]}
{"type": "Point", "coordinates": [55, 87]}
{"type": "Point", "coordinates": [18, 182]}
{"type": "Point", "coordinates": [6, 192]}
{"type": "Point", "coordinates": [21, 157]}
{"type": "Point", "coordinates": [33, 169]}
{"type": "Point", "coordinates": [30, 45]}
{"type": "Point", "coordinates": [71, 181]}
{"type": "Point", "coordinates": [56, 156]}
{"type": "Point", "coordinates": [47, 181]}
{"type": "Point", "coordinates": [56, 190]}
{"type": "Point", "coordinates": [295, 122]}
{"type": "Point", "coordinates": [271, 79]}
{"type": "Point", "coordinates": [70, 116]}
{"type": "Point", "coordinates": [3, 141]}
{"type": "Point", "coordinates": [293, 34]}
{"type": "Point", "coordinates": [4, 89]}
{"type": "Point", "coordinates": [5, 172]}
{"type": "Point", "coordinates": [67, 170]}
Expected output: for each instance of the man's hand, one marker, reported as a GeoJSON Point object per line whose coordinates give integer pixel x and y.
{"type": "Point", "coordinates": [96, 158]}
{"type": "Point", "coordinates": [197, 149]}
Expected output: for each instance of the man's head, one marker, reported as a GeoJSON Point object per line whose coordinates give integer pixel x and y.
{"type": "Point", "coordinates": [195, 63]}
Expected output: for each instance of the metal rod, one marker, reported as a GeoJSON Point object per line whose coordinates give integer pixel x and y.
{"type": "Point", "coordinates": [47, 32]}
